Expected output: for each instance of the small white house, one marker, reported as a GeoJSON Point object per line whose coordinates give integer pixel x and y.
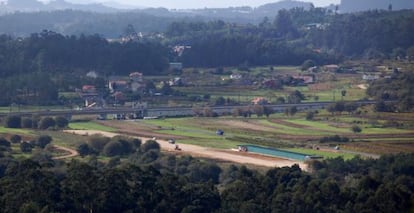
{"type": "Point", "coordinates": [370, 77]}
{"type": "Point", "coordinates": [235, 76]}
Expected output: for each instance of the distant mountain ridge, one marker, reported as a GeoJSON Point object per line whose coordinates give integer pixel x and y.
{"type": "Point", "coordinates": [35, 6]}
{"type": "Point", "coordinates": [269, 9]}
{"type": "Point", "coordinates": [23, 17]}
{"type": "Point", "coordinates": [364, 5]}
{"type": "Point", "coordinates": [244, 14]}
{"type": "Point", "coordinates": [108, 7]}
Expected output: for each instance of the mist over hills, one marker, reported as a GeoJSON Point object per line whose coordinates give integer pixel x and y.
{"type": "Point", "coordinates": [11, 6]}
{"type": "Point", "coordinates": [22, 17]}
{"type": "Point", "coordinates": [34, 6]}
{"type": "Point", "coordinates": [108, 7]}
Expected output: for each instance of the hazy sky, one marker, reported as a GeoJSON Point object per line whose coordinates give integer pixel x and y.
{"type": "Point", "coordinates": [171, 4]}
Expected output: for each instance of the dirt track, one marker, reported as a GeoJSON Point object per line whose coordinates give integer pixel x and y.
{"type": "Point", "coordinates": [72, 152]}
{"type": "Point", "coordinates": [198, 151]}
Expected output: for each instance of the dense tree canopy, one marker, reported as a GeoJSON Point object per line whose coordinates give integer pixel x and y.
{"type": "Point", "coordinates": [398, 89]}
{"type": "Point", "coordinates": [363, 34]}
{"type": "Point", "coordinates": [181, 183]}
{"type": "Point", "coordinates": [50, 52]}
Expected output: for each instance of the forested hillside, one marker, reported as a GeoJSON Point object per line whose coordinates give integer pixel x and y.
{"type": "Point", "coordinates": [371, 34]}
{"type": "Point", "coordinates": [52, 53]}
{"type": "Point", "coordinates": [291, 38]}
{"type": "Point", "coordinates": [399, 87]}
{"type": "Point", "coordinates": [152, 182]}
{"type": "Point", "coordinates": [35, 68]}
{"type": "Point", "coordinates": [84, 20]}
{"type": "Point", "coordinates": [294, 36]}
{"type": "Point", "coordinates": [70, 22]}
{"type": "Point", "coordinates": [287, 39]}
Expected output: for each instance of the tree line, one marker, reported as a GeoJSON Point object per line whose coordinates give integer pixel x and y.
{"type": "Point", "coordinates": [75, 22]}
{"type": "Point", "coordinates": [36, 68]}
{"type": "Point", "coordinates": [138, 177]}
{"type": "Point", "coordinates": [50, 52]}
{"type": "Point", "coordinates": [285, 40]}
{"type": "Point", "coordinates": [372, 34]}
{"type": "Point", "coordinates": [170, 183]}
{"type": "Point", "coordinates": [294, 36]}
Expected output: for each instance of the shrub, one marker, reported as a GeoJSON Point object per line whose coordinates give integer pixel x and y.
{"type": "Point", "coordinates": [127, 146]}
{"type": "Point", "coordinates": [150, 144]}
{"type": "Point", "coordinates": [4, 142]}
{"type": "Point", "coordinates": [61, 122]}
{"type": "Point", "coordinates": [356, 129]}
{"type": "Point", "coordinates": [335, 138]}
{"type": "Point", "coordinates": [43, 140]}
{"type": "Point", "coordinates": [113, 162]}
{"type": "Point", "coordinates": [310, 116]}
{"type": "Point", "coordinates": [13, 121]}
{"type": "Point", "coordinates": [308, 64]}
{"type": "Point", "coordinates": [84, 149]}
{"type": "Point", "coordinates": [26, 147]}
{"type": "Point", "coordinates": [113, 148]}
{"type": "Point", "coordinates": [98, 142]}
{"type": "Point", "coordinates": [136, 143]}
{"type": "Point", "coordinates": [27, 123]}
{"type": "Point", "coordinates": [46, 123]}
{"type": "Point", "coordinates": [35, 121]}
{"type": "Point", "coordinates": [150, 156]}
{"type": "Point", "coordinates": [16, 138]}
{"type": "Point", "coordinates": [267, 111]}
{"type": "Point", "coordinates": [280, 100]}
{"type": "Point", "coordinates": [393, 123]}
{"type": "Point", "coordinates": [204, 172]}
{"type": "Point", "coordinates": [291, 111]}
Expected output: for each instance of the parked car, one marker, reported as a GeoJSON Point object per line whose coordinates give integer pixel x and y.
{"type": "Point", "coordinates": [171, 141]}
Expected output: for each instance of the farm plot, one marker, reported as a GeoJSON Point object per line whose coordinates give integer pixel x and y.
{"type": "Point", "coordinates": [202, 131]}
{"type": "Point", "coordinates": [277, 131]}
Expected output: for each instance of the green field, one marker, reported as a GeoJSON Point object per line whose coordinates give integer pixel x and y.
{"type": "Point", "coordinates": [198, 135]}
{"type": "Point", "coordinates": [5, 130]}
{"type": "Point", "coordinates": [324, 154]}
{"type": "Point", "coordinates": [194, 134]}
{"type": "Point", "coordinates": [90, 126]}
{"type": "Point", "coordinates": [281, 131]}
{"type": "Point", "coordinates": [322, 126]}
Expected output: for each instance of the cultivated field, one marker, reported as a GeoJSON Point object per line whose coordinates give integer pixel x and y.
{"type": "Point", "coordinates": [280, 131]}
{"type": "Point", "coordinates": [381, 133]}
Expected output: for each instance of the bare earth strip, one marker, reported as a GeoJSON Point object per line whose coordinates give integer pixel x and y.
{"type": "Point", "coordinates": [198, 151]}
